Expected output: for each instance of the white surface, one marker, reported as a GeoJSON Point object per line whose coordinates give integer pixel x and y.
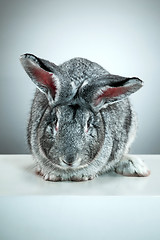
{"type": "Point", "coordinates": [31, 208]}
{"type": "Point", "coordinates": [79, 218]}
{"type": "Point", "coordinates": [18, 178]}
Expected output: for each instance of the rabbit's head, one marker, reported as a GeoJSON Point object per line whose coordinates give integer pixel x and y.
{"type": "Point", "coordinates": [72, 129]}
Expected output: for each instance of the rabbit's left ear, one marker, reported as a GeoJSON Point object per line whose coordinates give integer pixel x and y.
{"type": "Point", "coordinates": [42, 73]}
{"type": "Point", "coordinates": [108, 89]}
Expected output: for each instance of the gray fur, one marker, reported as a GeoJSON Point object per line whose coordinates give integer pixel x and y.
{"type": "Point", "coordinates": [75, 132]}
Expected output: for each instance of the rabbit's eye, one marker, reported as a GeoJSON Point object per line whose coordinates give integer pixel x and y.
{"type": "Point", "coordinates": [52, 119]}
{"type": "Point", "coordinates": [55, 119]}
{"type": "Point", "coordinates": [55, 122]}
{"type": "Point", "coordinates": [88, 124]}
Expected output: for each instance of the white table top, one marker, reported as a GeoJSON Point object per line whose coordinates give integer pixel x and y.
{"type": "Point", "coordinates": [108, 207]}
{"type": "Point", "coordinates": [18, 178]}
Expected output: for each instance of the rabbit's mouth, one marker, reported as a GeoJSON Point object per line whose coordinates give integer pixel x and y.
{"type": "Point", "coordinates": [70, 163]}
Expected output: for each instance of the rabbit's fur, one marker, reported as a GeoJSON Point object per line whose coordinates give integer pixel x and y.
{"type": "Point", "coordinates": [81, 122]}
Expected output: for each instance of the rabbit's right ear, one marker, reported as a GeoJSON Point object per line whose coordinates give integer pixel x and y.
{"type": "Point", "coordinates": [107, 89]}
{"type": "Point", "coordinates": [43, 74]}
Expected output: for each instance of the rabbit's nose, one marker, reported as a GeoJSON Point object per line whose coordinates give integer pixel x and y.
{"type": "Point", "coordinates": [69, 160]}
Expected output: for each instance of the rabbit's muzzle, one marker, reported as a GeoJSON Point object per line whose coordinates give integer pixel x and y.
{"type": "Point", "coordinates": [70, 161]}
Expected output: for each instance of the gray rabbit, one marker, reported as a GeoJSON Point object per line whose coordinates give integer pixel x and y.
{"type": "Point", "coordinates": [81, 122]}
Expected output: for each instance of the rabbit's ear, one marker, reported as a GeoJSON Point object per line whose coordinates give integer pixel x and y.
{"type": "Point", "coordinates": [108, 89]}
{"type": "Point", "coordinates": [42, 74]}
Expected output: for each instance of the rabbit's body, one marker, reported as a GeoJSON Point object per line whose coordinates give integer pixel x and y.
{"type": "Point", "coordinates": [81, 123]}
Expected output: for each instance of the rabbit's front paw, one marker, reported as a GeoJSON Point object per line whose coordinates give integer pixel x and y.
{"type": "Point", "coordinates": [50, 176]}
{"type": "Point", "coordinates": [82, 178]}
{"type": "Point", "coordinates": [47, 175]}
{"type": "Point", "coordinates": [132, 166]}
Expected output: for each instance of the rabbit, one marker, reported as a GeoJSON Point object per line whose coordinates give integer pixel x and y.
{"type": "Point", "coordinates": [81, 121]}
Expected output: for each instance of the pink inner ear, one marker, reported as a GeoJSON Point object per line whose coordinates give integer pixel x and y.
{"type": "Point", "coordinates": [45, 78]}
{"type": "Point", "coordinates": [111, 93]}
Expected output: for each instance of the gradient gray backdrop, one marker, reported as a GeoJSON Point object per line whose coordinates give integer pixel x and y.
{"type": "Point", "coordinates": [123, 36]}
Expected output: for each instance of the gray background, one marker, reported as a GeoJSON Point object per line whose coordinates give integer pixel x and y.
{"type": "Point", "coordinates": [123, 36]}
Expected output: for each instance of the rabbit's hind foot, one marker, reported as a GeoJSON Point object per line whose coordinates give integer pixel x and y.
{"type": "Point", "coordinates": [132, 166]}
